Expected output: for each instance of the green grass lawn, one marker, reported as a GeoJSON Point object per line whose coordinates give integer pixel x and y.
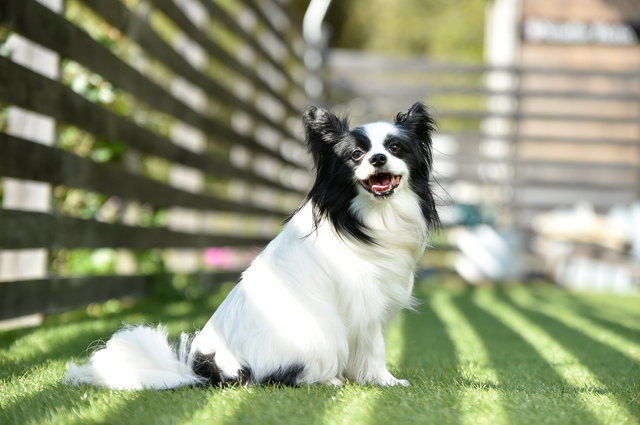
{"type": "Point", "coordinates": [531, 355]}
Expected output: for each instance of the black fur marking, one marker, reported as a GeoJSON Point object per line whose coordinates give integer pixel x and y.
{"type": "Point", "coordinates": [285, 376]}
{"type": "Point", "coordinates": [245, 376]}
{"type": "Point", "coordinates": [204, 365]}
{"type": "Point", "coordinates": [361, 138]}
{"type": "Point", "coordinates": [331, 145]}
{"type": "Point", "coordinates": [419, 125]}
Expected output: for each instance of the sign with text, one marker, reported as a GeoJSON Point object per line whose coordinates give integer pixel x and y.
{"type": "Point", "coordinates": [536, 30]}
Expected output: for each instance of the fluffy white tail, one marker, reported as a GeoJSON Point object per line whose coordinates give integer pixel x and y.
{"type": "Point", "coordinates": [137, 357]}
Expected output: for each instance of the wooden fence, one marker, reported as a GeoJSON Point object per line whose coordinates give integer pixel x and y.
{"type": "Point", "coordinates": [512, 141]}
{"type": "Point", "coordinates": [515, 145]}
{"type": "Point", "coordinates": [165, 126]}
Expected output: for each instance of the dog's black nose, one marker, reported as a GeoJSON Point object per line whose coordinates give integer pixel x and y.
{"type": "Point", "coordinates": [378, 159]}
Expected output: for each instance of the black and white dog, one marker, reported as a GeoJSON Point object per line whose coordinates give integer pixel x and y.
{"type": "Point", "coordinates": [313, 306]}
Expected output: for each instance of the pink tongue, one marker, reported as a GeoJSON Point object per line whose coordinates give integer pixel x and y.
{"type": "Point", "coordinates": [381, 182]}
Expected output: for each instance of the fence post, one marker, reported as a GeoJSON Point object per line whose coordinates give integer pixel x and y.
{"type": "Point", "coordinates": [501, 51]}
{"type": "Point", "coordinates": [316, 40]}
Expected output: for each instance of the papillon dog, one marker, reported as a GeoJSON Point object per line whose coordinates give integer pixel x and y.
{"type": "Point", "coordinates": [314, 305]}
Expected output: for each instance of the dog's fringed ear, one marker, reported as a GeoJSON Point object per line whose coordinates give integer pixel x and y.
{"type": "Point", "coordinates": [421, 125]}
{"type": "Point", "coordinates": [322, 128]}
{"type": "Point", "coordinates": [418, 121]}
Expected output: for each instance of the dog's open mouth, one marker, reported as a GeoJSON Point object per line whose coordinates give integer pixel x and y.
{"type": "Point", "coordinates": [382, 184]}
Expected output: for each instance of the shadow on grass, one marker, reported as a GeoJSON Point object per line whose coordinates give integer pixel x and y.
{"type": "Point", "coordinates": [37, 356]}
{"type": "Point", "coordinates": [54, 401]}
{"type": "Point", "coordinates": [61, 403]}
{"type": "Point", "coordinates": [274, 404]}
{"type": "Point", "coordinates": [619, 374]}
{"type": "Point", "coordinates": [157, 407]}
{"type": "Point", "coordinates": [426, 342]}
{"type": "Point", "coordinates": [529, 387]}
{"type": "Point", "coordinates": [74, 334]}
{"type": "Point", "coordinates": [578, 306]}
{"type": "Point", "coordinates": [429, 362]}
{"type": "Point", "coordinates": [611, 304]}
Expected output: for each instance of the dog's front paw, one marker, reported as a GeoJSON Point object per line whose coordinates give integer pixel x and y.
{"type": "Point", "coordinates": [335, 382]}
{"type": "Point", "coordinates": [390, 380]}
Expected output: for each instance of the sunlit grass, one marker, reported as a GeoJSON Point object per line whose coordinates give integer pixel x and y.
{"type": "Point", "coordinates": [587, 389]}
{"type": "Point", "coordinates": [473, 355]}
{"type": "Point", "coordinates": [474, 366]}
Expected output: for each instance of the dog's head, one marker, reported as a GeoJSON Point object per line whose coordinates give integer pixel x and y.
{"type": "Point", "coordinates": [375, 160]}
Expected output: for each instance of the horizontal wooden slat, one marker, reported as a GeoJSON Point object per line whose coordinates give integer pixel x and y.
{"type": "Point", "coordinates": [31, 161]}
{"type": "Point", "coordinates": [138, 30]}
{"type": "Point", "coordinates": [571, 185]}
{"type": "Point", "coordinates": [29, 90]}
{"type": "Point", "coordinates": [475, 160]}
{"type": "Point", "coordinates": [483, 115]}
{"type": "Point", "coordinates": [467, 137]}
{"type": "Point", "coordinates": [578, 166]}
{"type": "Point", "coordinates": [55, 294]}
{"type": "Point", "coordinates": [275, 30]}
{"type": "Point", "coordinates": [52, 295]}
{"type": "Point", "coordinates": [345, 58]}
{"type": "Point", "coordinates": [615, 183]}
{"type": "Point", "coordinates": [24, 229]}
{"type": "Point", "coordinates": [28, 18]}
{"type": "Point", "coordinates": [602, 202]}
{"type": "Point", "coordinates": [376, 87]}
{"type": "Point", "coordinates": [605, 140]}
{"type": "Point", "coordinates": [233, 26]}
{"type": "Point", "coordinates": [175, 14]}
{"type": "Point", "coordinates": [295, 20]}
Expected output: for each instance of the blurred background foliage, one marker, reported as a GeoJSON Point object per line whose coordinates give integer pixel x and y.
{"type": "Point", "coordinates": [442, 30]}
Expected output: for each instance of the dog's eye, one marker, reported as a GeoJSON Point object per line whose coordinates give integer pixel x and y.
{"type": "Point", "coordinates": [394, 148]}
{"type": "Point", "coordinates": [356, 155]}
